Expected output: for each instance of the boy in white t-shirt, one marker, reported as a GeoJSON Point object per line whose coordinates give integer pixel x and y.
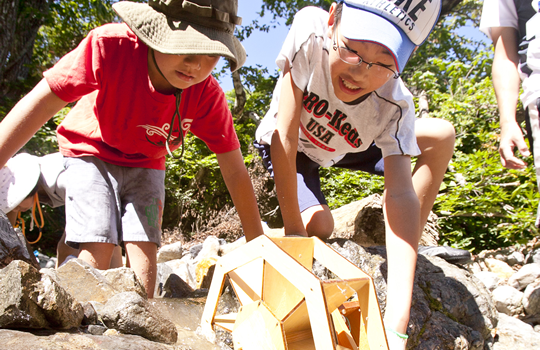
{"type": "Point", "coordinates": [340, 102]}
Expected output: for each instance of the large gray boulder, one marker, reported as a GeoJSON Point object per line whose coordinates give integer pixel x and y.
{"type": "Point", "coordinates": [84, 282]}
{"type": "Point", "coordinates": [450, 306]}
{"type": "Point", "coordinates": [13, 247]}
{"type": "Point", "coordinates": [29, 299]}
{"type": "Point", "coordinates": [17, 309]}
{"type": "Point", "coordinates": [124, 279]}
{"type": "Point", "coordinates": [130, 313]}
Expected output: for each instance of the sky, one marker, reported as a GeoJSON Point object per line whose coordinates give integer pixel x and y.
{"type": "Point", "coordinates": [261, 48]}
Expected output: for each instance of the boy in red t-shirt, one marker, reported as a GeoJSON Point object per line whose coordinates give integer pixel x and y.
{"type": "Point", "coordinates": [140, 87]}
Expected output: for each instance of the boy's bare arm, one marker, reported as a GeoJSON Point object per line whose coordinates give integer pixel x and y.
{"type": "Point", "coordinates": [402, 219]}
{"type": "Point", "coordinates": [241, 189]}
{"type": "Point", "coordinates": [283, 149]}
{"type": "Point", "coordinates": [25, 119]}
{"type": "Point", "coordinates": [506, 82]}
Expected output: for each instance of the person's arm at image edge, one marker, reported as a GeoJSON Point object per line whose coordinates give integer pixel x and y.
{"type": "Point", "coordinates": [283, 150]}
{"type": "Point", "coordinates": [402, 220]}
{"type": "Point", "coordinates": [239, 184]}
{"type": "Point", "coordinates": [506, 82]}
{"type": "Point", "coordinates": [25, 119]}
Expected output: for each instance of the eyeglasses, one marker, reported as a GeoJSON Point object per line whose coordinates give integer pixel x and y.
{"type": "Point", "coordinates": [353, 58]}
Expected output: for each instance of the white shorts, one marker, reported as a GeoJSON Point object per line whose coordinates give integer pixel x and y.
{"type": "Point", "coordinates": [107, 203]}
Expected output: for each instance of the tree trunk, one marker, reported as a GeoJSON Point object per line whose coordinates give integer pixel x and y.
{"type": "Point", "coordinates": [19, 24]}
{"type": "Point", "coordinates": [240, 93]}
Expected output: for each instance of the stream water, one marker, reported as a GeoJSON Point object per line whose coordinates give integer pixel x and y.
{"type": "Point", "coordinates": [186, 315]}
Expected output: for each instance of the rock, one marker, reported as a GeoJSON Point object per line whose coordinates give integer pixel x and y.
{"type": "Point", "coordinates": [500, 268]}
{"type": "Point", "coordinates": [533, 256]}
{"type": "Point", "coordinates": [490, 280]}
{"type": "Point", "coordinates": [210, 249]}
{"type": "Point", "coordinates": [195, 250]}
{"type": "Point", "coordinates": [17, 308]}
{"type": "Point", "coordinates": [96, 329]}
{"type": "Point", "coordinates": [444, 296]}
{"type": "Point", "coordinates": [170, 252]}
{"type": "Point", "coordinates": [129, 313]}
{"type": "Point", "coordinates": [531, 299]}
{"type": "Point", "coordinates": [90, 314]}
{"type": "Point", "coordinates": [525, 276]}
{"type": "Point", "coordinates": [508, 300]}
{"type": "Point", "coordinates": [175, 287]}
{"type": "Point", "coordinates": [17, 340]}
{"type": "Point", "coordinates": [184, 269]}
{"type": "Point", "coordinates": [60, 309]}
{"type": "Point", "coordinates": [124, 279]}
{"type": "Point", "coordinates": [163, 273]}
{"type": "Point", "coordinates": [84, 282]}
{"type": "Point", "coordinates": [363, 223]}
{"type": "Point", "coordinates": [225, 249]}
{"type": "Point", "coordinates": [515, 258]}
{"type": "Point", "coordinates": [11, 246]}
{"type": "Point", "coordinates": [449, 335]}
{"type": "Point", "coordinates": [513, 334]}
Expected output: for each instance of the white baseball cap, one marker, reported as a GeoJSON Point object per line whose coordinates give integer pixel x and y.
{"type": "Point", "coordinates": [17, 180]}
{"type": "Point", "coordinates": [398, 25]}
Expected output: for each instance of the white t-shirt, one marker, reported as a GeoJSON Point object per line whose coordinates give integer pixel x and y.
{"type": "Point", "coordinates": [329, 127]}
{"type": "Point", "coordinates": [523, 16]}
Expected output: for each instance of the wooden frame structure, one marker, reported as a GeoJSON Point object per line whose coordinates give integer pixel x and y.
{"type": "Point", "coordinates": [284, 306]}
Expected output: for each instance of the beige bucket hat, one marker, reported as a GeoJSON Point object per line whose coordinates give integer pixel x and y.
{"type": "Point", "coordinates": [182, 27]}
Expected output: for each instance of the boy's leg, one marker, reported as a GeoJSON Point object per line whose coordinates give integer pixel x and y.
{"type": "Point", "coordinates": [63, 251]}
{"type": "Point", "coordinates": [143, 258]}
{"type": "Point", "coordinates": [98, 255]}
{"type": "Point", "coordinates": [116, 260]}
{"type": "Point", "coordinates": [435, 138]}
{"type": "Point", "coordinates": [92, 212]}
{"type": "Point", "coordinates": [315, 213]}
{"type": "Point", "coordinates": [143, 195]}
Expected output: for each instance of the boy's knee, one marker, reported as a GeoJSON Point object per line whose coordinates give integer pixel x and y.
{"type": "Point", "coordinates": [433, 132]}
{"type": "Point", "coordinates": [321, 224]}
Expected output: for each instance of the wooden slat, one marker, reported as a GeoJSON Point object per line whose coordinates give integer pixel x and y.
{"type": "Point", "coordinates": [225, 321]}
{"type": "Point", "coordinates": [247, 281]}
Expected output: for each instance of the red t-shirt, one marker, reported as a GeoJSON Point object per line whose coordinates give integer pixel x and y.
{"type": "Point", "coordinates": [120, 117]}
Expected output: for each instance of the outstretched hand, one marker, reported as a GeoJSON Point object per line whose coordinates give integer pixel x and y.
{"type": "Point", "coordinates": [512, 138]}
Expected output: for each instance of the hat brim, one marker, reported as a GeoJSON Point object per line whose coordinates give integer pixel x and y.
{"type": "Point", "coordinates": [19, 177]}
{"type": "Point", "coordinates": [357, 24]}
{"type": "Point", "coordinates": [179, 37]}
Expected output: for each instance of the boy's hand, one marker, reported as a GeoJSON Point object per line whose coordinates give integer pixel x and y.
{"type": "Point", "coordinates": [511, 138]}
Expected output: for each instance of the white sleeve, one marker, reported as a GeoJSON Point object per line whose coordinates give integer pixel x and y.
{"type": "Point", "coordinates": [399, 137]}
{"type": "Point", "coordinates": [308, 26]}
{"type": "Point", "coordinates": [498, 13]}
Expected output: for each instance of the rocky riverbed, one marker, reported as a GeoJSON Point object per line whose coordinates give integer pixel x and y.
{"type": "Point", "coordinates": [491, 302]}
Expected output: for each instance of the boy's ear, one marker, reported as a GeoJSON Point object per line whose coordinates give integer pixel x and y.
{"type": "Point", "coordinates": [331, 20]}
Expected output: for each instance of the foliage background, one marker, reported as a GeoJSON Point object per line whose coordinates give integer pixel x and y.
{"type": "Point", "coordinates": [481, 204]}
